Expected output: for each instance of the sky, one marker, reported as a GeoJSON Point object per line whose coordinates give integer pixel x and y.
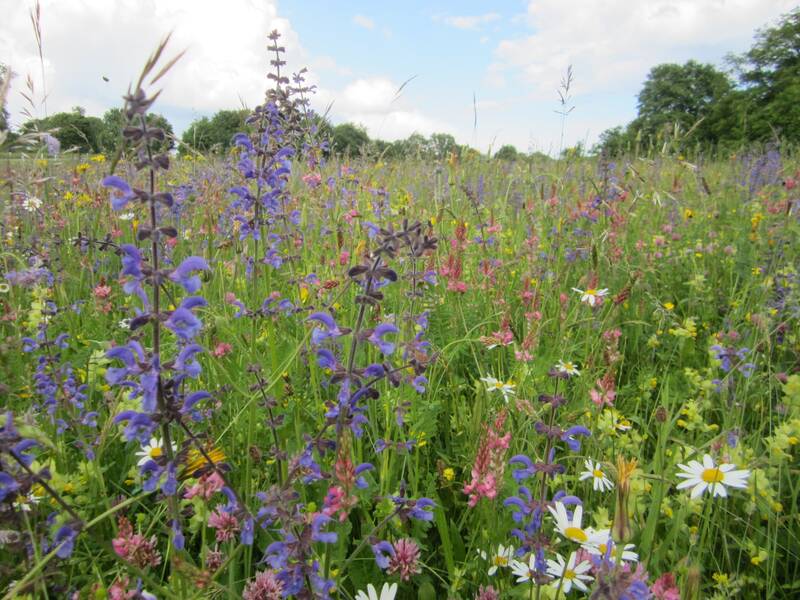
{"type": "Point", "coordinates": [486, 72]}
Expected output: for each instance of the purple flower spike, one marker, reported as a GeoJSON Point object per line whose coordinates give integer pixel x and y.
{"type": "Point", "coordinates": [122, 193]}
{"type": "Point", "coordinates": [183, 274]}
{"type": "Point", "coordinates": [378, 335]}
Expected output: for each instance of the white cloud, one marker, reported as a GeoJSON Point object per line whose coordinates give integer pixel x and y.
{"type": "Point", "coordinates": [471, 21]}
{"type": "Point", "coordinates": [84, 40]}
{"type": "Point", "coordinates": [378, 104]}
{"type": "Point", "coordinates": [616, 42]}
{"type": "Point", "coordinates": [364, 22]}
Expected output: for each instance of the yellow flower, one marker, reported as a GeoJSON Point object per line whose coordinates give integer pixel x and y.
{"type": "Point", "coordinates": [449, 474]}
{"type": "Point", "coordinates": [98, 158]}
{"type": "Point", "coordinates": [669, 306]}
{"type": "Point", "coordinates": [82, 168]}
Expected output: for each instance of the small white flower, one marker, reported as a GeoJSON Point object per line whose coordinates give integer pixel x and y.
{"type": "Point", "coordinates": [600, 542]}
{"type": "Point", "coordinates": [570, 528]}
{"type": "Point", "coordinates": [569, 574]}
{"type": "Point", "coordinates": [708, 476]}
{"type": "Point", "coordinates": [124, 324]}
{"type": "Point", "coordinates": [591, 296]}
{"type": "Point", "coordinates": [502, 558]}
{"type": "Point", "coordinates": [31, 204]}
{"type": "Point", "coordinates": [494, 385]}
{"type": "Point", "coordinates": [4, 288]}
{"type": "Point", "coordinates": [388, 592]}
{"type": "Point", "coordinates": [128, 216]}
{"type": "Point", "coordinates": [25, 503]}
{"type": "Point", "coordinates": [568, 367]}
{"type": "Point", "coordinates": [600, 483]}
{"type": "Point", "coordinates": [524, 571]}
{"type": "Point", "coordinates": [153, 450]}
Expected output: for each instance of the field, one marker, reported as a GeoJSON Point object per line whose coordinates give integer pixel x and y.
{"type": "Point", "coordinates": [269, 374]}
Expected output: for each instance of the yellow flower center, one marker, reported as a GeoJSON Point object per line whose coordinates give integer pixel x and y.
{"type": "Point", "coordinates": [569, 574]}
{"type": "Point", "coordinates": [591, 292]}
{"type": "Point", "coordinates": [603, 548]}
{"type": "Point", "coordinates": [500, 561]}
{"type": "Point", "coordinates": [498, 385]}
{"type": "Point", "coordinates": [598, 474]}
{"type": "Point", "coordinates": [156, 452]}
{"type": "Point", "coordinates": [576, 534]}
{"type": "Point", "coordinates": [712, 475]}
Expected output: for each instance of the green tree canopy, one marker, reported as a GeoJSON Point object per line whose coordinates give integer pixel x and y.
{"type": "Point", "coordinates": [680, 95]}
{"type": "Point", "coordinates": [216, 133]}
{"type": "Point", "coordinates": [113, 122]}
{"type": "Point", "coordinates": [349, 139]}
{"type": "Point", "coordinates": [73, 129]}
{"type": "Point", "coordinates": [507, 152]}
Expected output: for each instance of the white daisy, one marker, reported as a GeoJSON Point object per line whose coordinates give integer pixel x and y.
{"type": "Point", "coordinates": [31, 203]}
{"type": "Point", "coordinates": [388, 592]}
{"type": "Point", "coordinates": [600, 541]}
{"type": "Point", "coordinates": [494, 385]}
{"type": "Point", "coordinates": [25, 503]}
{"type": "Point", "coordinates": [570, 528]}
{"type": "Point", "coordinates": [128, 216]}
{"type": "Point", "coordinates": [153, 450]}
{"type": "Point", "coordinates": [124, 324]}
{"type": "Point", "coordinates": [708, 476]}
{"type": "Point", "coordinates": [592, 295]}
{"type": "Point", "coordinates": [600, 483]}
{"type": "Point", "coordinates": [568, 367]}
{"type": "Point", "coordinates": [501, 558]}
{"type": "Point", "coordinates": [524, 571]}
{"type": "Point", "coordinates": [568, 574]}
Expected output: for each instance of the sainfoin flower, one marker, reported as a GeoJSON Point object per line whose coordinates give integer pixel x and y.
{"type": "Point", "coordinates": [388, 592]}
{"type": "Point", "coordinates": [566, 574]}
{"type": "Point", "coordinates": [489, 465]}
{"type": "Point", "coordinates": [712, 477]}
{"type": "Point", "coordinates": [600, 483]}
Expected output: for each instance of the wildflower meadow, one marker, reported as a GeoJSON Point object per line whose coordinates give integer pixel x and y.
{"type": "Point", "coordinates": [278, 372]}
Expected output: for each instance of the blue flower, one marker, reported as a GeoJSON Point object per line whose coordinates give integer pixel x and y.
{"type": "Point", "coordinates": [183, 273]}
{"type": "Point", "coordinates": [377, 337]}
{"type": "Point", "coordinates": [123, 193]}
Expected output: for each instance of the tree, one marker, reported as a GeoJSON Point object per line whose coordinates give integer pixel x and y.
{"type": "Point", "coordinates": [73, 129]}
{"type": "Point", "coordinates": [681, 95]}
{"type": "Point", "coordinates": [507, 152]}
{"type": "Point", "coordinates": [442, 145]}
{"type": "Point", "coordinates": [216, 133]}
{"type": "Point", "coordinates": [114, 121]}
{"type": "Point", "coordinates": [769, 74]}
{"type": "Point", "coordinates": [349, 139]}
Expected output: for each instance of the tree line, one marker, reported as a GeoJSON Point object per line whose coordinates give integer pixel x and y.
{"type": "Point", "coordinates": [698, 106]}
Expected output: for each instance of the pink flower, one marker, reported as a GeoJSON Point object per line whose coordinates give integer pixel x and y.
{"type": "Point", "coordinates": [102, 292]}
{"type": "Point", "coordinates": [206, 486]}
{"type": "Point", "coordinates": [134, 547]}
{"type": "Point", "coordinates": [664, 588]}
{"type": "Point", "coordinates": [226, 524]}
{"type": "Point", "coordinates": [405, 560]}
{"type": "Point", "coordinates": [489, 462]}
{"type": "Point", "coordinates": [344, 258]}
{"type": "Point", "coordinates": [265, 586]}
{"type": "Point", "coordinates": [221, 350]}
{"type": "Point", "coordinates": [487, 593]}
{"type": "Point", "coordinates": [312, 180]}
